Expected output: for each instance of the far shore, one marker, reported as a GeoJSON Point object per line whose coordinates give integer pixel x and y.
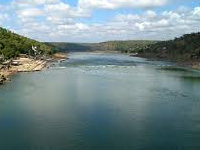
{"type": "Point", "coordinates": [194, 64]}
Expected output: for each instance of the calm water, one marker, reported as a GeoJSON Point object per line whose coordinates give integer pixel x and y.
{"type": "Point", "coordinates": [102, 102]}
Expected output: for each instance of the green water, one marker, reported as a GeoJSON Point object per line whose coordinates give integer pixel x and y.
{"type": "Point", "coordinates": [102, 102]}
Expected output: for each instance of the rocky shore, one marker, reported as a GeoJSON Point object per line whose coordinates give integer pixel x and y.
{"type": "Point", "coordinates": [28, 65]}
{"type": "Point", "coordinates": [191, 64]}
{"type": "Point", "coordinates": [60, 56]}
{"type": "Point", "coordinates": [25, 64]}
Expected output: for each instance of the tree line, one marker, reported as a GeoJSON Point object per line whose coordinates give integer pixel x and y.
{"type": "Point", "coordinates": [186, 47]}
{"type": "Point", "coordinates": [11, 45]}
{"type": "Point", "coordinates": [132, 46]}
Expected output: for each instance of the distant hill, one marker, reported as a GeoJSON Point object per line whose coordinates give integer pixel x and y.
{"type": "Point", "coordinates": [121, 46]}
{"type": "Point", "coordinates": [131, 46]}
{"type": "Point", "coordinates": [185, 48]}
{"type": "Point", "coordinates": [11, 44]}
{"type": "Point", "coordinates": [69, 47]}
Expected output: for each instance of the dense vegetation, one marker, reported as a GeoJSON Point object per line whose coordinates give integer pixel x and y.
{"type": "Point", "coordinates": [125, 46]}
{"type": "Point", "coordinates": [121, 46]}
{"type": "Point", "coordinates": [184, 48]}
{"type": "Point", "coordinates": [69, 47]}
{"type": "Point", "coordinates": [11, 45]}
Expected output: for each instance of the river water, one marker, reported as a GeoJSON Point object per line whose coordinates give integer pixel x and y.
{"type": "Point", "coordinates": [102, 102]}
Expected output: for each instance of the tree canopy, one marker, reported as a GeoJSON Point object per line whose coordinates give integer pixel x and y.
{"type": "Point", "coordinates": [11, 44]}
{"type": "Point", "coordinates": [131, 46]}
{"type": "Point", "coordinates": [187, 47]}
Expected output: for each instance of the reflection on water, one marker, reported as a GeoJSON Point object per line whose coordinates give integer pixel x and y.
{"type": "Point", "coordinates": [175, 68]}
{"type": "Point", "coordinates": [102, 102]}
{"type": "Point", "coordinates": [192, 78]}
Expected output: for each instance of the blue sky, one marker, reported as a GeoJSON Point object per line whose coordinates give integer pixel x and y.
{"type": "Point", "coordinates": [100, 20]}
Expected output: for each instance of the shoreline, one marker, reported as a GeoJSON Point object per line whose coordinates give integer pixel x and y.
{"type": "Point", "coordinates": [25, 64]}
{"type": "Point", "coordinates": [32, 65]}
{"type": "Point", "coordinates": [193, 64]}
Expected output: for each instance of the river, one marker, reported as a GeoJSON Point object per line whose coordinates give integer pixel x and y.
{"type": "Point", "coordinates": [102, 101]}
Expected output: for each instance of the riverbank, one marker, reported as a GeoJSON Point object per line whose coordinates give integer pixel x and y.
{"type": "Point", "coordinates": [22, 65]}
{"type": "Point", "coordinates": [191, 64]}
{"type": "Point", "coordinates": [25, 64]}
{"type": "Point", "coordinates": [194, 64]}
{"type": "Point", "coordinates": [59, 56]}
{"type": "Point", "coordinates": [28, 65]}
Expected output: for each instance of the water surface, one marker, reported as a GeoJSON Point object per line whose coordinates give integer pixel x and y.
{"type": "Point", "coordinates": [102, 102]}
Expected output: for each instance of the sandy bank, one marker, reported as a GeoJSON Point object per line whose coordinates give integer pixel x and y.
{"type": "Point", "coordinates": [28, 65]}
{"type": "Point", "coordinates": [59, 56]}
{"type": "Point", "coordinates": [23, 65]}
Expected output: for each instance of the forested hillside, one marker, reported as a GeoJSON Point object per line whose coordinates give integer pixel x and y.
{"type": "Point", "coordinates": [121, 46]}
{"type": "Point", "coordinates": [69, 47]}
{"type": "Point", "coordinates": [184, 48]}
{"type": "Point", "coordinates": [131, 46]}
{"type": "Point", "coordinates": [12, 44]}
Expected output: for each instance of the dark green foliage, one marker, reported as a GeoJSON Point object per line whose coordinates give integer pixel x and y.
{"type": "Point", "coordinates": [191, 78]}
{"type": "Point", "coordinates": [121, 46]}
{"type": "Point", "coordinates": [184, 48]}
{"type": "Point", "coordinates": [126, 46]}
{"type": "Point", "coordinates": [11, 44]}
{"type": "Point", "coordinates": [178, 69]}
{"type": "Point", "coordinates": [69, 47]}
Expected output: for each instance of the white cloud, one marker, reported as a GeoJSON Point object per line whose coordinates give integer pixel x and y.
{"type": "Point", "coordinates": [114, 4]}
{"type": "Point", "coordinates": [34, 2]}
{"type": "Point", "coordinates": [30, 12]}
{"type": "Point", "coordinates": [151, 14]}
{"type": "Point", "coordinates": [130, 17]}
{"type": "Point", "coordinates": [76, 26]}
{"type": "Point", "coordinates": [59, 21]}
{"type": "Point", "coordinates": [63, 10]}
{"type": "Point", "coordinates": [197, 11]}
{"type": "Point", "coordinates": [57, 7]}
{"type": "Point", "coordinates": [149, 25]}
{"type": "Point", "coordinates": [56, 20]}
